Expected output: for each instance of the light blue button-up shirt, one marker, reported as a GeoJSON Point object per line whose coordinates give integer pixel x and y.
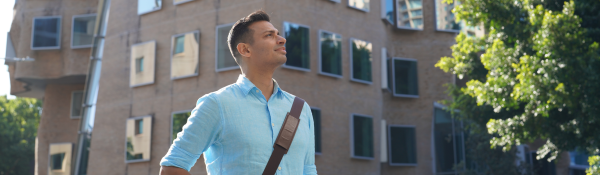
{"type": "Point", "coordinates": [235, 127]}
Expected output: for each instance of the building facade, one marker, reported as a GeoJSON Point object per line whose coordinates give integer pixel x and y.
{"type": "Point", "coordinates": [366, 68]}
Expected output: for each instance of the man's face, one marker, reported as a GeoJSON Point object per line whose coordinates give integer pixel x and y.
{"type": "Point", "coordinates": [268, 47]}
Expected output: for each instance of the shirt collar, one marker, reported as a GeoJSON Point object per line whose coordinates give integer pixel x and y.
{"type": "Point", "coordinates": [246, 85]}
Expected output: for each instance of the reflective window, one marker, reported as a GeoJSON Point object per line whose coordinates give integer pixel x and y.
{"type": "Point", "coordinates": [445, 19]}
{"type": "Point", "coordinates": [331, 53]}
{"type": "Point", "coordinates": [59, 159]}
{"type": "Point", "coordinates": [46, 33]}
{"type": "Point", "coordinates": [579, 162]}
{"type": "Point", "coordinates": [180, 1]}
{"type": "Point", "coordinates": [360, 61]}
{"type": "Point", "coordinates": [405, 77]}
{"type": "Point", "coordinates": [225, 60]}
{"type": "Point", "coordinates": [177, 121]}
{"type": "Point", "coordinates": [409, 14]}
{"type": "Point", "coordinates": [316, 113]}
{"type": "Point", "coordinates": [297, 46]}
{"type": "Point", "coordinates": [76, 103]}
{"type": "Point", "coordinates": [147, 6]}
{"type": "Point", "coordinates": [362, 136]}
{"type": "Point", "coordinates": [83, 31]}
{"type": "Point", "coordinates": [403, 146]}
{"type": "Point", "coordinates": [359, 4]}
{"type": "Point", "coordinates": [185, 56]}
{"type": "Point", "coordinates": [142, 64]}
{"type": "Point", "coordinates": [388, 10]}
{"type": "Point", "coordinates": [448, 140]}
{"type": "Point", "coordinates": [138, 139]}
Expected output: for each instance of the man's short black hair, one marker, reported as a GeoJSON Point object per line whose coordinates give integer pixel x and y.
{"type": "Point", "coordinates": [240, 33]}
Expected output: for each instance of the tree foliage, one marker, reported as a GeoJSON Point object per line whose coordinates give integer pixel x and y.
{"type": "Point", "coordinates": [19, 119]}
{"type": "Point", "coordinates": [535, 74]}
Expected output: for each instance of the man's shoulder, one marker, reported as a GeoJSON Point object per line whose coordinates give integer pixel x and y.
{"type": "Point", "coordinates": [224, 92]}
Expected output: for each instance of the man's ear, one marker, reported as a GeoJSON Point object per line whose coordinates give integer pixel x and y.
{"type": "Point", "coordinates": [243, 49]}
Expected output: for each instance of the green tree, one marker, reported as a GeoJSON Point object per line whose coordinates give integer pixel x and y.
{"type": "Point", "coordinates": [19, 119]}
{"type": "Point", "coordinates": [535, 74]}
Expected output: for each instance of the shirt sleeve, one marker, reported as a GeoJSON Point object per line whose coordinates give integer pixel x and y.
{"type": "Point", "coordinates": [309, 161]}
{"type": "Point", "coordinates": [203, 127]}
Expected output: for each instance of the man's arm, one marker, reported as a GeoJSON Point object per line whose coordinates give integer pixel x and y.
{"type": "Point", "coordinates": [171, 170]}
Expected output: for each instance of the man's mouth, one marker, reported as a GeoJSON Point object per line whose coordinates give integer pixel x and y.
{"type": "Point", "coordinates": [281, 49]}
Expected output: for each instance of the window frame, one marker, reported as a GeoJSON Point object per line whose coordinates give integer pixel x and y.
{"type": "Point", "coordinates": [321, 56]}
{"type": "Point", "coordinates": [171, 124]}
{"type": "Point", "coordinates": [282, 32]}
{"type": "Point", "coordinates": [177, 3]}
{"type": "Point", "coordinates": [154, 60]}
{"type": "Point", "coordinates": [144, 132]}
{"type": "Point", "coordinates": [173, 42]}
{"type": "Point", "coordinates": [149, 11]}
{"type": "Point", "coordinates": [352, 63]}
{"type": "Point", "coordinates": [321, 124]}
{"type": "Point", "coordinates": [73, 28]}
{"type": "Point", "coordinates": [217, 50]}
{"type": "Point", "coordinates": [434, 166]}
{"type": "Point", "coordinates": [389, 140]}
{"type": "Point", "coordinates": [66, 166]}
{"type": "Point", "coordinates": [394, 77]}
{"type": "Point", "coordinates": [398, 25]}
{"type": "Point", "coordinates": [336, 1]}
{"type": "Point", "coordinates": [435, 4]}
{"type": "Point", "coordinates": [352, 137]}
{"type": "Point", "coordinates": [363, 10]}
{"type": "Point", "coordinates": [72, 101]}
{"type": "Point", "coordinates": [59, 37]}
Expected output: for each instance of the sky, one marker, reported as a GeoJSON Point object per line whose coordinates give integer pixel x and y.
{"type": "Point", "coordinates": [6, 15]}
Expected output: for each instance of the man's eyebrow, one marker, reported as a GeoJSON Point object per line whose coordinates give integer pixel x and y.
{"type": "Point", "coordinates": [270, 31]}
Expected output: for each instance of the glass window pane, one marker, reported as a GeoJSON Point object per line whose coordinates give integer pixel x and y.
{"type": "Point", "coordinates": [59, 158]}
{"type": "Point", "coordinates": [363, 136]}
{"type": "Point", "coordinates": [83, 31]}
{"type": "Point", "coordinates": [76, 102]}
{"type": "Point", "coordinates": [445, 19]}
{"type": "Point", "coordinates": [578, 158]}
{"type": "Point", "coordinates": [317, 122]}
{"type": "Point", "coordinates": [331, 53]}
{"type": "Point", "coordinates": [138, 138]}
{"type": "Point", "coordinates": [403, 148]}
{"type": "Point", "coordinates": [46, 32]}
{"type": "Point", "coordinates": [179, 120]}
{"type": "Point", "coordinates": [359, 4]}
{"type": "Point", "coordinates": [142, 63]}
{"type": "Point", "coordinates": [184, 60]}
{"type": "Point", "coordinates": [389, 10]}
{"type": "Point", "coordinates": [224, 58]}
{"type": "Point", "coordinates": [145, 6]}
{"type": "Point", "coordinates": [410, 14]}
{"type": "Point", "coordinates": [56, 161]}
{"type": "Point", "coordinates": [297, 45]}
{"type": "Point", "coordinates": [405, 77]}
{"type": "Point", "coordinates": [361, 60]}
{"type": "Point", "coordinates": [444, 141]}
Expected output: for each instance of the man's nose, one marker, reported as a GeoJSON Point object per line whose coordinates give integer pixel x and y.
{"type": "Point", "coordinates": [281, 40]}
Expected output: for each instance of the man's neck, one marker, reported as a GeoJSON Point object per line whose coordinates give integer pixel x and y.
{"type": "Point", "coordinates": [262, 80]}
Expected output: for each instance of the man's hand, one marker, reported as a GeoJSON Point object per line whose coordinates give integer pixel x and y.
{"type": "Point", "coordinates": [171, 170]}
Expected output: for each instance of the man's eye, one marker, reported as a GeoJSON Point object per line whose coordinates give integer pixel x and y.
{"type": "Point", "coordinates": [269, 35]}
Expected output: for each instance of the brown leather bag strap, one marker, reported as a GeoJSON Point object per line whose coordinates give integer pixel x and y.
{"type": "Point", "coordinates": [285, 136]}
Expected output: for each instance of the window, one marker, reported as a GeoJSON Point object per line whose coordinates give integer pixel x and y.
{"type": "Point", "coordinates": [46, 33]}
{"type": "Point", "coordinates": [330, 53]}
{"type": "Point", "coordinates": [359, 4]}
{"type": "Point", "coordinates": [184, 56]}
{"type": "Point", "coordinates": [360, 61]}
{"type": "Point", "coordinates": [362, 136]}
{"type": "Point", "coordinates": [448, 141]}
{"type": "Point", "coordinates": [316, 113]}
{"type": "Point", "coordinates": [542, 166]}
{"type": "Point", "coordinates": [138, 138]}
{"type": "Point", "coordinates": [579, 163]}
{"type": "Point", "coordinates": [445, 20]}
{"type": "Point", "coordinates": [76, 104]}
{"type": "Point", "coordinates": [403, 145]}
{"type": "Point", "coordinates": [409, 14]}
{"type": "Point", "coordinates": [405, 79]}
{"type": "Point", "coordinates": [59, 158]}
{"type": "Point", "coordinates": [178, 119]}
{"type": "Point", "coordinates": [387, 11]}
{"type": "Point", "coordinates": [142, 64]}
{"type": "Point", "coordinates": [297, 46]}
{"type": "Point", "coordinates": [225, 60]}
{"type": "Point", "coordinates": [147, 6]}
{"type": "Point", "coordinates": [83, 31]}
{"type": "Point", "coordinates": [177, 2]}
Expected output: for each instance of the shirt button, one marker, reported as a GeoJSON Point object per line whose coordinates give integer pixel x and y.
{"type": "Point", "coordinates": [272, 124]}
{"type": "Point", "coordinates": [256, 91]}
{"type": "Point", "coordinates": [279, 168]}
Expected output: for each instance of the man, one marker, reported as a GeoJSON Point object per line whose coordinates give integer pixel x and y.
{"type": "Point", "coordinates": [236, 126]}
